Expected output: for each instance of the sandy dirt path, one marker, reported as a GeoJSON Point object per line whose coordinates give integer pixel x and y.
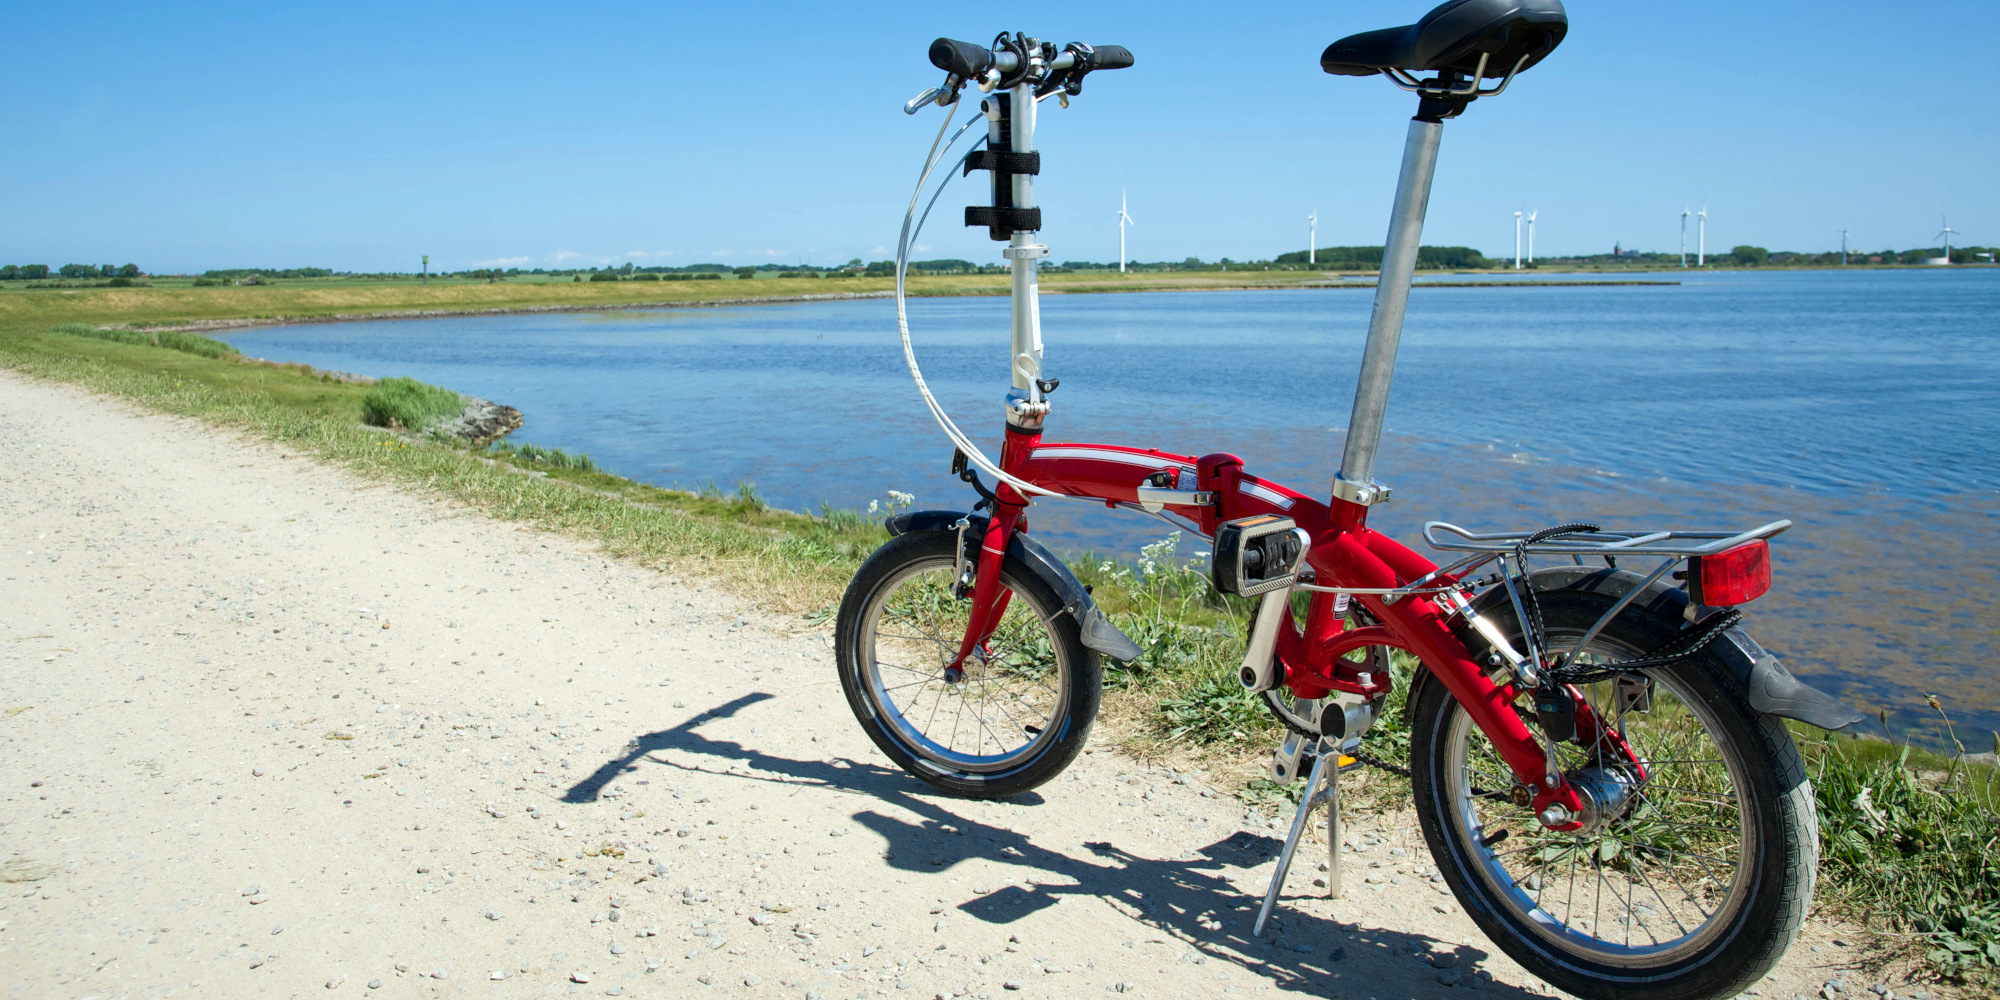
{"type": "Point", "coordinates": [270, 730]}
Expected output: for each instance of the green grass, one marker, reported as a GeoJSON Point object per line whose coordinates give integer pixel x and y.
{"type": "Point", "coordinates": [408, 403]}
{"type": "Point", "coordinates": [173, 340]}
{"type": "Point", "coordinates": [554, 458]}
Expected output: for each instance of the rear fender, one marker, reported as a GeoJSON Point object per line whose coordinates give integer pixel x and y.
{"type": "Point", "coordinates": [1767, 685]}
{"type": "Point", "coordinates": [1098, 632]}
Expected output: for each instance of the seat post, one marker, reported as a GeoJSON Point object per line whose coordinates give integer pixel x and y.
{"type": "Point", "coordinates": [1355, 482]}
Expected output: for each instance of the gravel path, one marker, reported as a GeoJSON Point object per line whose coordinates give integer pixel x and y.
{"type": "Point", "coordinates": [269, 730]}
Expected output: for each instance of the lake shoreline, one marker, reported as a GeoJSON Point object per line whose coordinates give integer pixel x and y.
{"type": "Point", "coordinates": [210, 325]}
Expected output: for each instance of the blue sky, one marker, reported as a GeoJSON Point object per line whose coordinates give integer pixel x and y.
{"type": "Point", "coordinates": [359, 135]}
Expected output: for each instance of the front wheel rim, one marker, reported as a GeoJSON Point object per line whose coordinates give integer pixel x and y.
{"type": "Point", "coordinates": [1653, 888]}
{"type": "Point", "coordinates": [1012, 700]}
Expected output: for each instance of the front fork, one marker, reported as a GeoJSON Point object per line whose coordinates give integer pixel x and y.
{"type": "Point", "coordinates": [989, 595]}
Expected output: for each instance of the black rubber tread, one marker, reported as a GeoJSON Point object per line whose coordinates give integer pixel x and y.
{"type": "Point", "coordinates": [1084, 693]}
{"type": "Point", "coordinates": [1777, 790]}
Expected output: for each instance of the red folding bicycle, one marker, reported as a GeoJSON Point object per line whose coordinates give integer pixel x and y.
{"type": "Point", "coordinates": [1596, 751]}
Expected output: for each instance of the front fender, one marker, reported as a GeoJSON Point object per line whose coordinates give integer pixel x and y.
{"type": "Point", "coordinates": [1097, 631]}
{"type": "Point", "coordinates": [1767, 685]}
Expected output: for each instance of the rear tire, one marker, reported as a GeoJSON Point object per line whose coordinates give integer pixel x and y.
{"type": "Point", "coordinates": [1021, 713]}
{"type": "Point", "coordinates": [1692, 890]}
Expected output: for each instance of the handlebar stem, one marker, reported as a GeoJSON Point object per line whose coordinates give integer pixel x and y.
{"type": "Point", "coordinates": [1355, 482]}
{"type": "Point", "coordinates": [1026, 340]}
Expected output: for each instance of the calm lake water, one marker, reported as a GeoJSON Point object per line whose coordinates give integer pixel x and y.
{"type": "Point", "coordinates": [1863, 405]}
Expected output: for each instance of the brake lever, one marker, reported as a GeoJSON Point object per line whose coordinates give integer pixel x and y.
{"type": "Point", "coordinates": [942, 95]}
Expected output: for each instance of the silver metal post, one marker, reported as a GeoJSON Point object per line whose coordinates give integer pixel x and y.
{"type": "Point", "coordinates": [1355, 481]}
{"type": "Point", "coordinates": [1306, 803]}
{"type": "Point", "coordinates": [1333, 828]}
{"type": "Point", "coordinates": [1027, 326]}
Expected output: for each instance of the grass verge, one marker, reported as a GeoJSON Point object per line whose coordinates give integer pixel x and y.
{"type": "Point", "coordinates": [1908, 836]}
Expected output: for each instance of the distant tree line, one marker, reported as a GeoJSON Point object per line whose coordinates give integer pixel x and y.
{"type": "Point", "coordinates": [40, 272]}
{"type": "Point", "coordinates": [1370, 258]}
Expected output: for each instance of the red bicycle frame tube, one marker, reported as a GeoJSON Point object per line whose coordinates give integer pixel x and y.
{"type": "Point", "coordinates": [1344, 553]}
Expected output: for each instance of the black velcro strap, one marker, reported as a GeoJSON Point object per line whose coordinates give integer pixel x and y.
{"type": "Point", "coordinates": [1013, 163]}
{"type": "Point", "coordinates": [1011, 220]}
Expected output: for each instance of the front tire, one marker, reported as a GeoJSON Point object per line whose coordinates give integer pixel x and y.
{"type": "Point", "coordinates": [1693, 888]}
{"type": "Point", "coordinates": [1024, 708]}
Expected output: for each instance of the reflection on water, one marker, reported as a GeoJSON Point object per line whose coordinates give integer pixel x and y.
{"type": "Point", "coordinates": [1861, 406]}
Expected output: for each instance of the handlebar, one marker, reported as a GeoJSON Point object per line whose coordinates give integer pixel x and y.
{"type": "Point", "coordinates": [1010, 61]}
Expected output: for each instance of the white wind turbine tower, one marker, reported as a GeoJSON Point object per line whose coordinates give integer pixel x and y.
{"type": "Point", "coordinates": [1946, 232]}
{"type": "Point", "coordinates": [1531, 236]}
{"type": "Point", "coordinates": [1124, 219]}
{"type": "Point", "coordinates": [1701, 238]}
{"type": "Point", "coordinates": [1312, 237]}
{"type": "Point", "coordinates": [1843, 246]}
{"type": "Point", "coordinates": [1517, 239]}
{"type": "Point", "coordinates": [1684, 236]}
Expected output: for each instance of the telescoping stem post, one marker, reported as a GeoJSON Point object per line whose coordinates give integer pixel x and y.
{"type": "Point", "coordinates": [1355, 482]}
{"type": "Point", "coordinates": [1026, 343]}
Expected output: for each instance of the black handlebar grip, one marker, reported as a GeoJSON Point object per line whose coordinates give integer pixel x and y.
{"type": "Point", "coordinates": [1110, 57]}
{"type": "Point", "coordinates": [961, 59]}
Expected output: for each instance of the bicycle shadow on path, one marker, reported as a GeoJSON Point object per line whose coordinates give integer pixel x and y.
{"type": "Point", "coordinates": [1192, 902]}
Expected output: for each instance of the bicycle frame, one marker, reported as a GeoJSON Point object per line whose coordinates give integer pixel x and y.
{"type": "Point", "coordinates": [1344, 554]}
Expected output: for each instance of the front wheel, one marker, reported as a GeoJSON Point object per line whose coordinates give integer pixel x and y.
{"type": "Point", "coordinates": [1023, 708]}
{"type": "Point", "coordinates": [1692, 877]}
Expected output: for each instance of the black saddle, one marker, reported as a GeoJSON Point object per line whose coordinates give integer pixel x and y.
{"type": "Point", "coordinates": [1453, 37]}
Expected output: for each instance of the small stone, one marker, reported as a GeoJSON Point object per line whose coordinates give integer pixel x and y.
{"type": "Point", "coordinates": [616, 916]}
{"type": "Point", "coordinates": [759, 919]}
{"type": "Point", "coordinates": [498, 974]}
{"type": "Point", "coordinates": [1449, 977]}
{"type": "Point", "coordinates": [250, 891]}
{"type": "Point", "coordinates": [1836, 985]}
{"type": "Point", "coordinates": [439, 973]}
{"type": "Point", "coordinates": [1444, 960]}
{"type": "Point", "coordinates": [705, 979]}
{"type": "Point", "coordinates": [331, 983]}
{"type": "Point", "coordinates": [275, 931]}
{"type": "Point", "coordinates": [612, 991]}
{"type": "Point", "coordinates": [1124, 986]}
{"type": "Point", "coordinates": [259, 898]}
{"type": "Point", "coordinates": [374, 984]}
{"type": "Point", "coordinates": [492, 914]}
{"type": "Point", "coordinates": [257, 960]}
{"type": "Point", "coordinates": [1052, 969]}
{"type": "Point", "coordinates": [618, 949]}
{"type": "Point", "coordinates": [402, 966]}
{"type": "Point", "coordinates": [1337, 955]}
{"type": "Point", "coordinates": [752, 979]}
{"type": "Point", "coordinates": [256, 772]}
{"type": "Point", "coordinates": [1010, 985]}
{"type": "Point", "coordinates": [579, 977]}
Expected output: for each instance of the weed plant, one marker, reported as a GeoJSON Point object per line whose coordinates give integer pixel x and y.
{"type": "Point", "coordinates": [554, 458]}
{"type": "Point", "coordinates": [408, 403]}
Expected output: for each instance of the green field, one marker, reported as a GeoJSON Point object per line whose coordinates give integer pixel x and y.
{"type": "Point", "coordinates": [1919, 860]}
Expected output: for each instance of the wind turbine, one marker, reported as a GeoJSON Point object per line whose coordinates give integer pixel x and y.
{"type": "Point", "coordinates": [1531, 237]}
{"type": "Point", "coordinates": [1843, 246]}
{"type": "Point", "coordinates": [1946, 232]}
{"type": "Point", "coordinates": [1312, 237]}
{"type": "Point", "coordinates": [1684, 237]}
{"type": "Point", "coordinates": [1517, 239]}
{"type": "Point", "coordinates": [1124, 219]}
{"type": "Point", "coordinates": [1701, 238]}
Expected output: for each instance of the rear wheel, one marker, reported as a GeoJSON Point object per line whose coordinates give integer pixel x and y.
{"type": "Point", "coordinates": [1023, 708]}
{"type": "Point", "coordinates": [1691, 877]}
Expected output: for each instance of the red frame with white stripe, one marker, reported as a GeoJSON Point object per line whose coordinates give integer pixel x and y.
{"type": "Point", "coordinates": [1312, 655]}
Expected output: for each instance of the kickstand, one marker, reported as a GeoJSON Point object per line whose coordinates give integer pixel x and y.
{"type": "Point", "coordinates": [1322, 785]}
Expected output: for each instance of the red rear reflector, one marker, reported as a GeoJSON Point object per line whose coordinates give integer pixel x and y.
{"type": "Point", "coordinates": [1738, 576]}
